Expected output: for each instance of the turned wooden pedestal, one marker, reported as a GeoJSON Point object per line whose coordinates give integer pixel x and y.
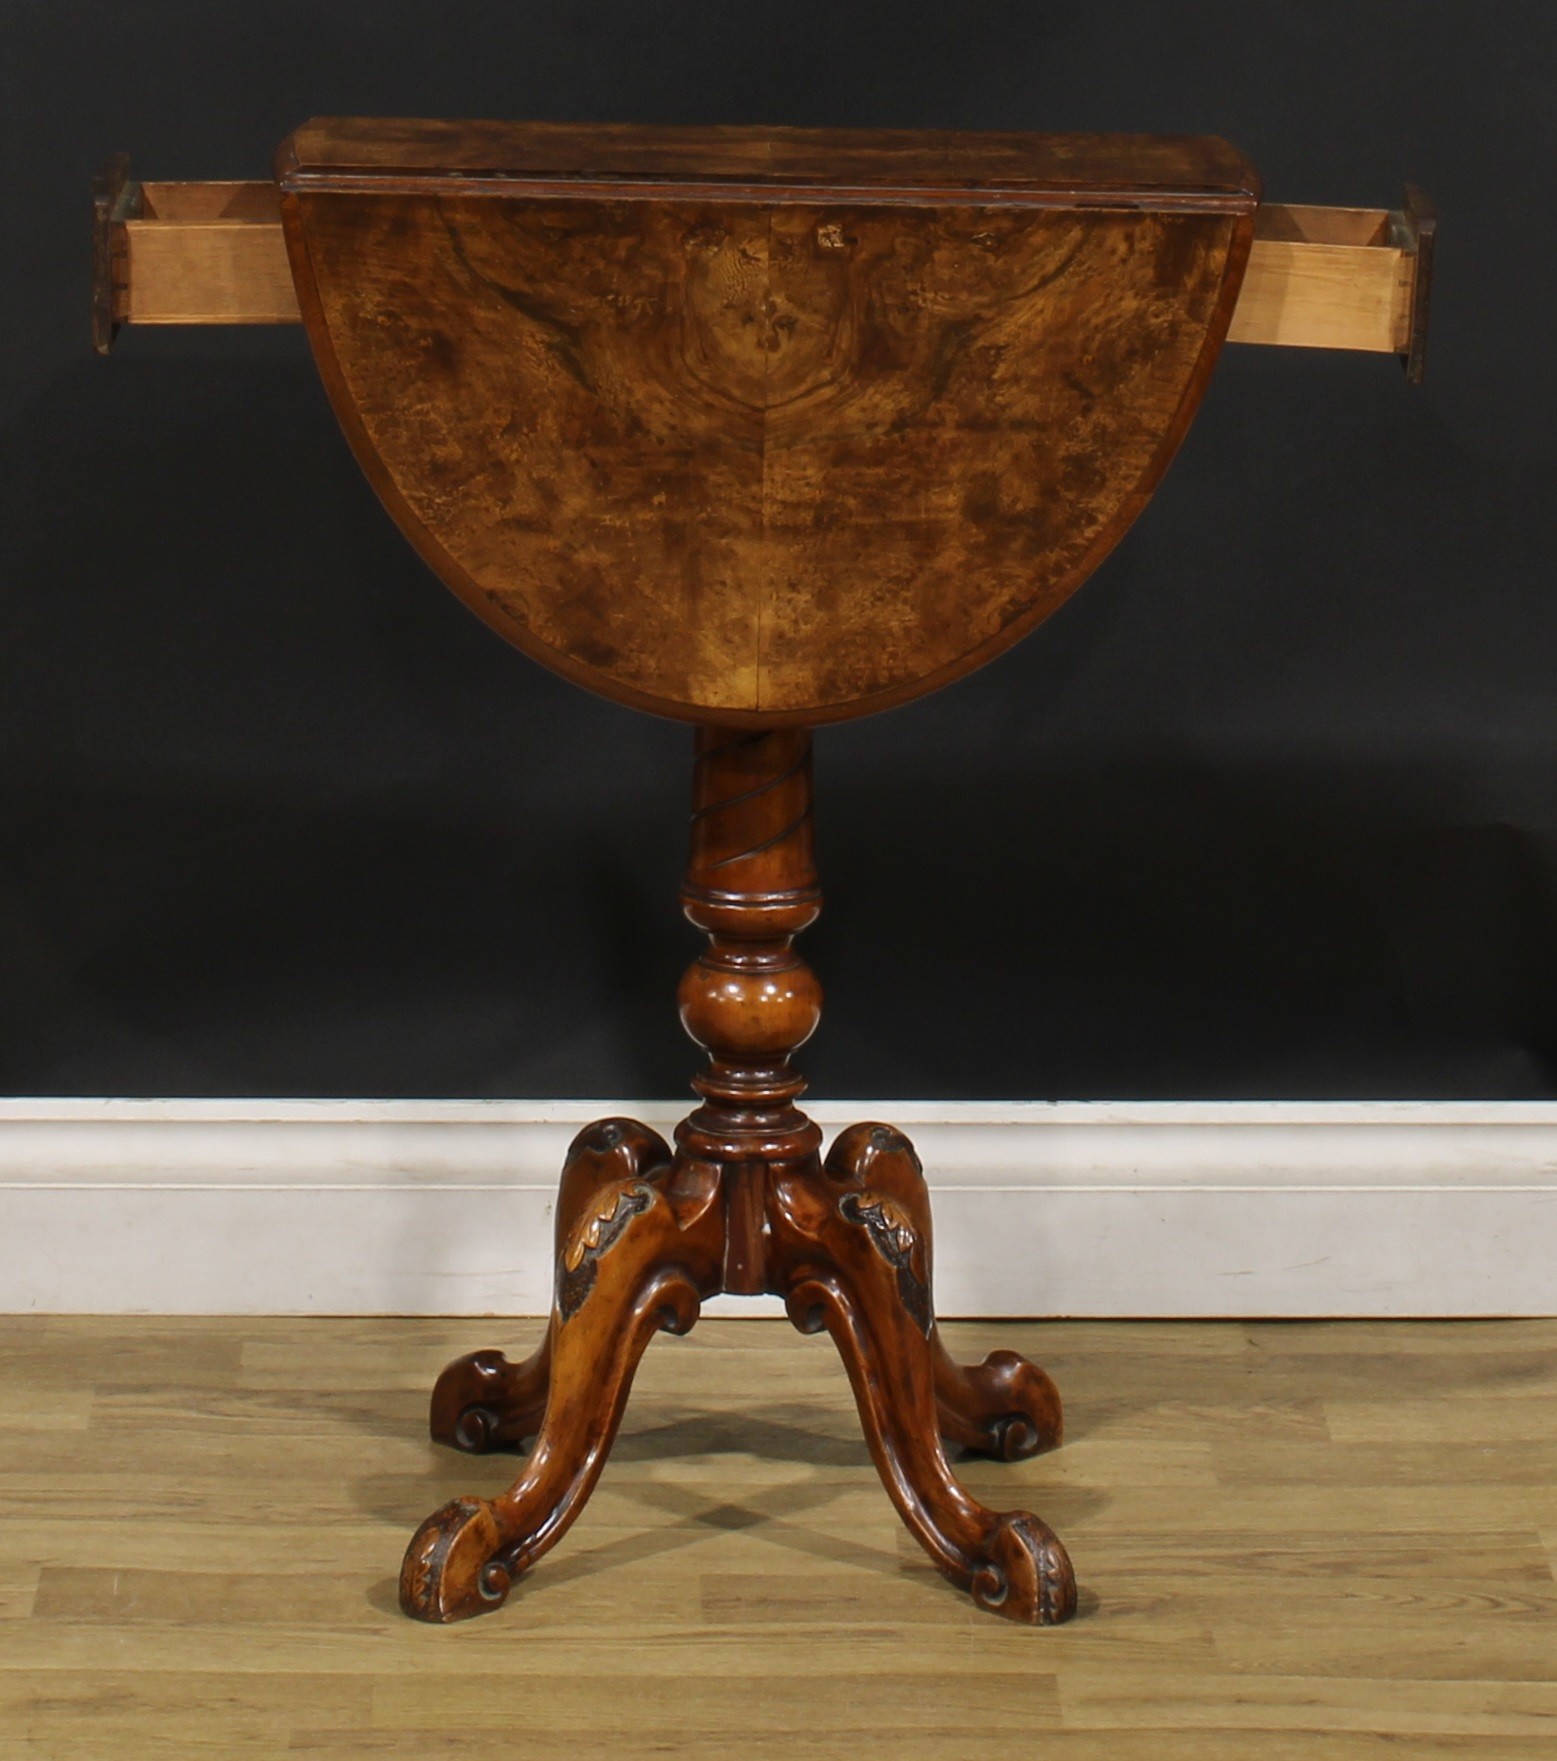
{"type": "Point", "coordinates": [760, 429]}
{"type": "Point", "coordinates": [744, 1203]}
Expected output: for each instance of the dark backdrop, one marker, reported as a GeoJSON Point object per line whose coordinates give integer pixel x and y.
{"type": "Point", "coordinates": [1267, 810]}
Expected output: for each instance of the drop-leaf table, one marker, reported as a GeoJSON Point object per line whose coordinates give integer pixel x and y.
{"type": "Point", "coordinates": [759, 429]}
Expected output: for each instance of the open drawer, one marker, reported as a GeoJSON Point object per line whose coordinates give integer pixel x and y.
{"type": "Point", "coordinates": [1340, 278]}
{"type": "Point", "coordinates": [188, 253]}
{"type": "Point", "coordinates": [213, 253]}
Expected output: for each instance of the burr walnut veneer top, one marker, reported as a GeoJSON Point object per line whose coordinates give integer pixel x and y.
{"type": "Point", "coordinates": [762, 425]}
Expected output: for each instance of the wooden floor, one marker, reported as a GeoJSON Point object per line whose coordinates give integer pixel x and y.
{"type": "Point", "coordinates": [1294, 1540]}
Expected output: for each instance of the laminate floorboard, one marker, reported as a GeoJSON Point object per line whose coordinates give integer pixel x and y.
{"type": "Point", "coordinates": [1327, 1541]}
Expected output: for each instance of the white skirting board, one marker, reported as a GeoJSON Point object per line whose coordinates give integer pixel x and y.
{"type": "Point", "coordinates": [1104, 1209]}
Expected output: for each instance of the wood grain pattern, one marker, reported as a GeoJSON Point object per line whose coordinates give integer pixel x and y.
{"type": "Point", "coordinates": [333, 148]}
{"type": "Point", "coordinates": [1344, 278]}
{"type": "Point", "coordinates": [1330, 278]}
{"type": "Point", "coordinates": [206, 253]}
{"type": "Point", "coordinates": [176, 1581]}
{"type": "Point", "coordinates": [772, 430]}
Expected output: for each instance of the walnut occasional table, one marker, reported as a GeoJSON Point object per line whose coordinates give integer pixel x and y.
{"type": "Point", "coordinates": [758, 429]}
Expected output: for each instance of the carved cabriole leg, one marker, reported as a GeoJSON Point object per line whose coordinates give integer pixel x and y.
{"type": "Point", "coordinates": [1005, 1407]}
{"type": "Point", "coordinates": [643, 1249]}
{"type": "Point", "coordinates": [483, 1402]}
{"type": "Point", "coordinates": [853, 1254]}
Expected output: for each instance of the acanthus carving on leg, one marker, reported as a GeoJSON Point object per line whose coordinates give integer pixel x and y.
{"type": "Point", "coordinates": [603, 1224]}
{"type": "Point", "coordinates": [894, 1238]}
{"type": "Point", "coordinates": [1005, 1407]}
{"type": "Point", "coordinates": [843, 1272]}
{"type": "Point", "coordinates": [483, 1402]}
{"type": "Point", "coordinates": [649, 1277]}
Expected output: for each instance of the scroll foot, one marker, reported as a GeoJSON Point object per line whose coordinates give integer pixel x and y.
{"type": "Point", "coordinates": [483, 1402]}
{"type": "Point", "coordinates": [1028, 1574]}
{"type": "Point", "coordinates": [1005, 1407]}
{"type": "Point", "coordinates": [449, 1571]}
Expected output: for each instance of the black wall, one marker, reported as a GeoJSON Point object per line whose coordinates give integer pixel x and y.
{"type": "Point", "coordinates": [1267, 810]}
